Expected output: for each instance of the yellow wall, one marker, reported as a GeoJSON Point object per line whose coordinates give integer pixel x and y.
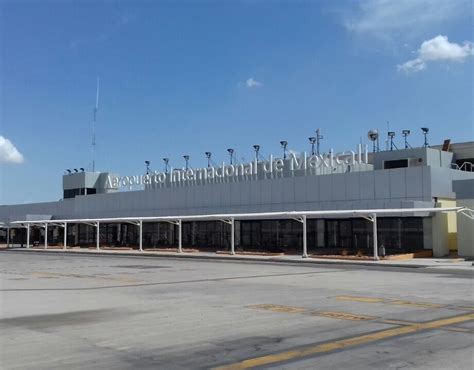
{"type": "Point", "coordinates": [452, 225]}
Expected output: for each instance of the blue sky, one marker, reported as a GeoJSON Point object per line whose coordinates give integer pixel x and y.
{"type": "Point", "coordinates": [185, 77]}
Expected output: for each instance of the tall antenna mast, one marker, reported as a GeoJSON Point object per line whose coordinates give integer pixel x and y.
{"type": "Point", "coordinates": [96, 109]}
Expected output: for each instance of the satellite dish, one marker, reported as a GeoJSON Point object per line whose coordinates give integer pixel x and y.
{"type": "Point", "coordinates": [373, 135]}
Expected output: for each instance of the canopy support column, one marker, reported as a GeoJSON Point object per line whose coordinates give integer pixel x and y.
{"type": "Point", "coordinates": [302, 220]}
{"type": "Point", "coordinates": [140, 236]}
{"type": "Point", "coordinates": [231, 222]}
{"type": "Point", "coordinates": [28, 236]}
{"type": "Point", "coordinates": [374, 226]}
{"type": "Point", "coordinates": [8, 237]}
{"type": "Point", "coordinates": [45, 236]}
{"type": "Point", "coordinates": [305, 238]}
{"type": "Point", "coordinates": [373, 218]}
{"type": "Point", "coordinates": [180, 236]}
{"type": "Point", "coordinates": [232, 236]}
{"type": "Point", "coordinates": [97, 241]}
{"type": "Point", "coordinates": [65, 236]}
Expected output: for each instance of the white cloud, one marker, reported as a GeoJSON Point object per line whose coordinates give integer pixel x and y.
{"type": "Point", "coordinates": [253, 83]}
{"type": "Point", "coordinates": [383, 18]}
{"type": "Point", "coordinates": [437, 49]}
{"type": "Point", "coordinates": [8, 152]}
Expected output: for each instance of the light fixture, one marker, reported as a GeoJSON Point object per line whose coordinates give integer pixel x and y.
{"type": "Point", "coordinates": [231, 154]}
{"type": "Point", "coordinates": [208, 156]}
{"type": "Point", "coordinates": [391, 135]}
{"type": "Point", "coordinates": [82, 169]}
{"type": "Point", "coordinates": [312, 141]}
{"type": "Point", "coordinates": [284, 145]}
{"type": "Point", "coordinates": [256, 147]}
{"type": "Point", "coordinates": [186, 159]}
{"type": "Point", "coordinates": [166, 160]}
{"type": "Point", "coordinates": [68, 171]}
{"type": "Point", "coordinates": [147, 164]}
{"type": "Point", "coordinates": [405, 134]}
{"type": "Point", "coordinates": [425, 131]}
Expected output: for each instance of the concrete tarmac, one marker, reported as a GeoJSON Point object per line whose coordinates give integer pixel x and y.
{"type": "Point", "coordinates": [66, 311]}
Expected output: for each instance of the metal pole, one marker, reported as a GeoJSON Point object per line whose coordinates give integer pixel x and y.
{"type": "Point", "coordinates": [28, 236]}
{"type": "Point", "coordinates": [65, 236]}
{"type": "Point", "coordinates": [180, 239]}
{"type": "Point", "coordinates": [232, 236]}
{"type": "Point", "coordinates": [8, 237]}
{"type": "Point", "coordinates": [374, 225]}
{"type": "Point", "coordinates": [140, 225]}
{"type": "Point", "coordinates": [98, 236]}
{"type": "Point", "coordinates": [305, 238]}
{"type": "Point", "coordinates": [45, 236]}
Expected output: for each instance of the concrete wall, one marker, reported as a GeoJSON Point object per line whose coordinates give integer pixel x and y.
{"type": "Point", "coordinates": [95, 180]}
{"type": "Point", "coordinates": [396, 188]}
{"type": "Point", "coordinates": [417, 156]}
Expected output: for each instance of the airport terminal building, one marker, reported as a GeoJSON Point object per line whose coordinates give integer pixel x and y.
{"type": "Point", "coordinates": [181, 206]}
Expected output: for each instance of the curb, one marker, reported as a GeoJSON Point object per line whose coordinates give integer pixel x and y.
{"type": "Point", "coordinates": [229, 258]}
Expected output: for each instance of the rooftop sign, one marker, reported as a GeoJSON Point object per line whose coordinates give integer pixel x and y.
{"type": "Point", "coordinates": [295, 162]}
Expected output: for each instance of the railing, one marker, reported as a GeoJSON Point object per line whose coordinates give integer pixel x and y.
{"type": "Point", "coordinates": [466, 166]}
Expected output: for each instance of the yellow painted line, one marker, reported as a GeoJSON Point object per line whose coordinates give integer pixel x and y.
{"type": "Point", "coordinates": [342, 315]}
{"type": "Point", "coordinates": [279, 308]}
{"type": "Point", "coordinates": [416, 304]}
{"type": "Point", "coordinates": [117, 278]}
{"type": "Point", "coordinates": [390, 301]}
{"type": "Point", "coordinates": [345, 343]}
{"type": "Point", "coordinates": [359, 299]}
{"type": "Point", "coordinates": [397, 322]}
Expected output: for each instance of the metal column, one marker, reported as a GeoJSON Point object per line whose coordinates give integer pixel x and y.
{"type": "Point", "coordinates": [305, 238]}
{"type": "Point", "coordinates": [8, 237]}
{"type": "Point", "coordinates": [232, 236]}
{"type": "Point", "coordinates": [180, 236]}
{"type": "Point", "coordinates": [98, 236]}
{"type": "Point", "coordinates": [65, 236]}
{"type": "Point", "coordinates": [140, 235]}
{"type": "Point", "coordinates": [302, 220]}
{"type": "Point", "coordinates": [374, 226]}
{"type": "Point", "coordinates": [28, 236]}
{"type": "Point", "coordinates": [46, 236]}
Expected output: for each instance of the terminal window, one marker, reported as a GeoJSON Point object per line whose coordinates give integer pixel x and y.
{"type": "Point", "coordinates": [396, 163]}
{"type": "Point", "coordinates": [71, 193]}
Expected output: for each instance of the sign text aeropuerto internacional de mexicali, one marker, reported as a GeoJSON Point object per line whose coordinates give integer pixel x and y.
{"type": "Point", "coordinates": [295, 162]}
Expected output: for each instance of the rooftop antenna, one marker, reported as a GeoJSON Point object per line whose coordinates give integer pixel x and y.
{"type": "Point", "coordinates": [386, 140]}
{"type": "Point", "coordinates": [96, 109]}
{"type": "Point", "coordinates": [166, 160]}
{"type": "Point", "coordinates": [319, 137]}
